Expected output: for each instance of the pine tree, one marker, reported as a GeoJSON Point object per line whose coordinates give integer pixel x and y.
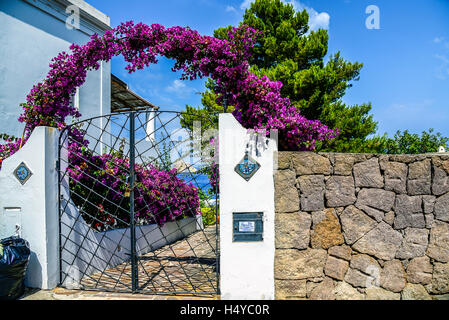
{"type": "Point", "coordinates": [289, 52]}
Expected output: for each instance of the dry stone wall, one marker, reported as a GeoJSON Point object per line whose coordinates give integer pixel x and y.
{"type": "Point", "coordinates": [362, 226]}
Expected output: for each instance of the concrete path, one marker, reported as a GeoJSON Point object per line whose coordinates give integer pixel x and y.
{"type": "Point", "coordinates": [186, 265]}
{"type": "Point", "coordinates": [65, 294]}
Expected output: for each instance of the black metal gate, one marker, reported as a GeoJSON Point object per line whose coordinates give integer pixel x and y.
{"type": "Point", "coordinates": [138, 203]}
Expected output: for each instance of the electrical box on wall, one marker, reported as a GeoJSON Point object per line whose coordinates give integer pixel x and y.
{"type": "Point", "coordinates": [247, 226]}
{"type": "Point", "coordinates": [10, 222]}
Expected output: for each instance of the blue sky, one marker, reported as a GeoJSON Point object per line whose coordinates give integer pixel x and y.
{"type": "Point", "coordinates": [406, 61]}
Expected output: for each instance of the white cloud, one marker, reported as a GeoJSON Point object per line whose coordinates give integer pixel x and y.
{"type": "Point", "coordinates": [415, 107]}
{"type": "Point", "coordinates": [442, 71]}
{"type": "Point", "coordinates": [230, 9]}
{"type": "Point", "coordinates": [246, 4]}
{"type": "Point", "coordinates": [179, 88]}
{"type": "Point", "coordinates": [415, 116]}
{"type": "Point", "coordinates": [442, 41]}
{"type": "Point", "coordinates": [317, 19]}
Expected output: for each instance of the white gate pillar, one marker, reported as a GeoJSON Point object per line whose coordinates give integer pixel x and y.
{"type": "Point", "coordinates": [246, 268]}
{"type": "Point", "coordinates": [33, 206]}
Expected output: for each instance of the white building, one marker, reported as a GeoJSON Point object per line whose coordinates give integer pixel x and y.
{"type": "Point", "coordinates": [32, 32]}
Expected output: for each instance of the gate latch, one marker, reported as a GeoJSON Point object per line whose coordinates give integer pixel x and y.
{"type": "Point", "coordinates": [127, 192]}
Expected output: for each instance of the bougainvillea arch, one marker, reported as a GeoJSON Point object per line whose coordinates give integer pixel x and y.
{"type": "Point", "coordinates": [257, 101]}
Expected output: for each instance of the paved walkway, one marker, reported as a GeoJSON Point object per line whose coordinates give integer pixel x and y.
{"type": "Point", "coordinates": [188, 265]}
{"type": "Point", "coordinates": [65, 294]}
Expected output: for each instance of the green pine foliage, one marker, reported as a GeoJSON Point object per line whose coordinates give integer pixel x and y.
{"type": "Point", "coordinates": [413, 143]}
{"type": "Point", "coordinates": [289, 52]}
{"type": "Point", "coordinates": [356, 126]}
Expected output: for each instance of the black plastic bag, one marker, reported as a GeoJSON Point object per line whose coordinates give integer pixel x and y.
{"type": "Point", "coordinates": [13, 265]}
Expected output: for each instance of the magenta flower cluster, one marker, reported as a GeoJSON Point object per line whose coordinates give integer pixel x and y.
{"type": "Point", "coordinates": [214, 177]}
{"type": "Point", "coordinates": [257, 101]}
{"type": "Point", "coordinates": [98, 185]}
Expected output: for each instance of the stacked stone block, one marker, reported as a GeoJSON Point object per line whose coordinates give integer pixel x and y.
{"type": "Point", "coordinates": [362, 226]}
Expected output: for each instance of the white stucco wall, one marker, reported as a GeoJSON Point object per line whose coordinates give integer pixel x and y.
{"type": "Point", "coordinates": [34, 205]}
{"type": "Point", "coordinates": [31, 34]}
{"type": "Point", "coordinates": [246, 268]}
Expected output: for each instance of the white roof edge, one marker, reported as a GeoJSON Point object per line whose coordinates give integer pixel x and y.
{"type": "Point", "coordinates": [97, 14]}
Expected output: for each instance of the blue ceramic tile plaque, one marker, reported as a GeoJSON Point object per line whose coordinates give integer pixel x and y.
{"type": "Point", "coordinates": [247, 167]}
{"type": "Point", "coordinates": [22, 173]}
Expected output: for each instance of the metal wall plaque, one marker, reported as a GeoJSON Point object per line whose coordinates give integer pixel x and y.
{"type": "Point", "coordinates": [247, 167]}
{"type": "Point", "coordinates": [247, 226]}
{"type": "Point", "coordinates": [22, 173]}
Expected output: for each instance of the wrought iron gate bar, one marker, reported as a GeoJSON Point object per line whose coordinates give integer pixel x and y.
{"type": "Point", "coordinates": [117, 280]}
{"type": "Point", "coordinates": [96, 193]}
{"type": "Point", "coordinates": [163, 126]}
{"type": "Point", "coordinates": [132, 158]}
{"type": "Point", "coordinates": [90, 203]}
{"type": "Point", "coordinates": [86, 249]}
{"type": "Point", "coordinates": [96, 249]}
{"type": "Point", "coordinates": [105, 237]}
